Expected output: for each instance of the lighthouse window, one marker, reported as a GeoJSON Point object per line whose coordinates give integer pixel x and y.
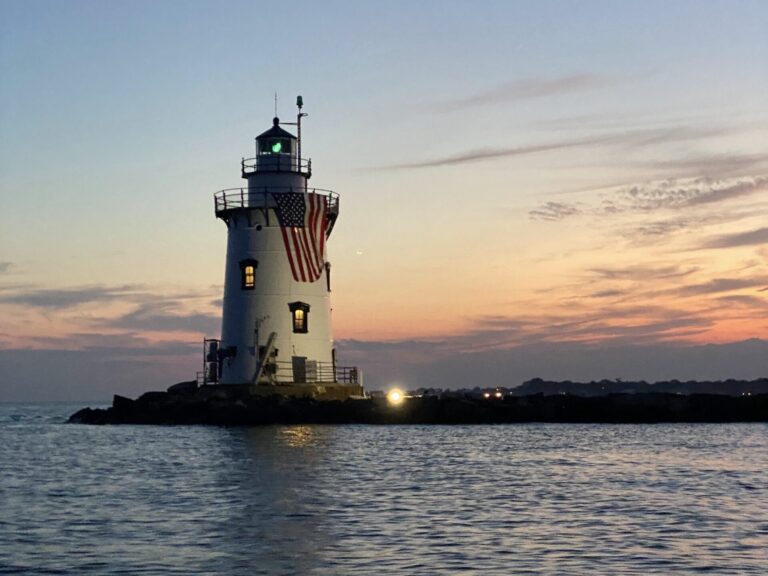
{"type": "Point", "coordinates": [248, 274]}
{"type": "Point", "coordinates": [275, 146]}
{"type": "Point", "coordinates": [249, 277]}
{"type": "Point", "coordinates": [299, 317]}
{"type": "Point", "coordinates": [299, 321]}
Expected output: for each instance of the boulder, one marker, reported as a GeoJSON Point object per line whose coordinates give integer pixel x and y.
{"type": "Point", "coordinates": [183, 388]}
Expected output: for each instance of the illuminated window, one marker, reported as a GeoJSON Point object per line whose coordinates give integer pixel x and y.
{"type": "Point", "coordinates": [299, 317]}
{"type": "Point", "coordinates": [275, 146]}
{"type": "Point", "coordinates": [248, 274]}
{"type": "Point", "coordinates": [299, 321]}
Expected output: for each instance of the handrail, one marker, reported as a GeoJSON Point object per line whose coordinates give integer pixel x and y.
{"type": "Point", "coordinates": [319, 373]}
{"type": "Point", "coordinates": [240, 198]}
{"type": "Point", "coordinates": [276, 163]}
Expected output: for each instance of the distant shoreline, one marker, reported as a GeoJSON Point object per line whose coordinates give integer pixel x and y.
{"type": "Point", "coordinates": [730, 387]}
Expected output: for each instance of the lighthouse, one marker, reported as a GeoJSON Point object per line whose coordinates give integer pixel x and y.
{"type": "Point", "coordinates": [276, 321]}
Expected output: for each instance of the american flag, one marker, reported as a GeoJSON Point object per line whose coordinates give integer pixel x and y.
{"type": "Point", "coordinates": [303, 224]}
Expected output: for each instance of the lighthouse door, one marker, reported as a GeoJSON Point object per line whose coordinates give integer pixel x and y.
{"type": "Point", "coordinates": [299, 368]}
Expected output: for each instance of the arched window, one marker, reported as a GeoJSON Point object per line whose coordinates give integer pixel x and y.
{"type": "Point", "coordinates": [299, 317]}
{"type": "Point", "coordinates": [248, 274]}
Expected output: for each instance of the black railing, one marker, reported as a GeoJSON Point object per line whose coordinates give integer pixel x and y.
{"type": "Point", "coordinates": [239, 198]}
{"type": "Point", "coordinates": [317, 373]}
{"type": "Point", "coordinates": [276, 163]}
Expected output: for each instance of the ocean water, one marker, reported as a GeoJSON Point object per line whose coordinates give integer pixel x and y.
{"type": "Point", "coordinates": [508, 499]}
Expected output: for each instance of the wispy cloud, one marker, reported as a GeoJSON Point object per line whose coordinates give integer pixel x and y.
{"type": "Point", "coordinates": [53, 299]}
{"type": "Point", "coordinates": [553, 211]}
{"type": "Point", "coordinates": [751, 238]}
{"type": "Point", "coordinates": [714, 165]}
{"type": "Point", "coordinates": [62, 298]}
{"type": "Point", "coordinates": [128, 316]}
{"type": "Point", "coordinates": [162, 317]}
{"type": "Point", "coordinates": [675, 193]}
{"type": "Point", "coordinates": [628, 325]}
{"type": "Point", "coordinates": [745, 300]}
{"type": "Point", "coordinates": [657, 229]}
{"type": "Point", "coordinates": [616, 323]}
{"type": "Point", "coordinates": [526, 89]}
{"type": "Point", "coordinates": [718, 285]}
{"type": "Point", "coordinates": [671, 195]}
{"type": "Point", "coordinates": [492, 153]}
{"type": "Point", "coordinates": [5, 267]}
{"type": "Point", "coordinates": [120, 344]}
{"type": "Point", "coordinates": [609, 293]}
{"type": "Point", "coordinates": [643, 272]}
{"type": "Point", "coordinates": [632, 139]}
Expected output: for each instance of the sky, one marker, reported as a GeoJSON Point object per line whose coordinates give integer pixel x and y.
{"type": "Point", "coordinates": [565, 190]}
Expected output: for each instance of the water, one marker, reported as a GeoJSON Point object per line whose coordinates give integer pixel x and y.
{"type": "Point", "coordinates": [512, 499]}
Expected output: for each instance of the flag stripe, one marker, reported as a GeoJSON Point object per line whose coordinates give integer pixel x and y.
{"type": "Point", "coordinates": [315, 219]}
{"type": "Point", "coordinates": [288, 251]}
{"type": "Point", "coordinates": [301, 234]}
{"type": "Point", "coordinates": [323, 228]}
{"type": "Point", "coordinates": [297, 254]}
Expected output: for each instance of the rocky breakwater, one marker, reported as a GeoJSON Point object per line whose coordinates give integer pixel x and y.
{"type": "Point", "coordinates": [185, 403]}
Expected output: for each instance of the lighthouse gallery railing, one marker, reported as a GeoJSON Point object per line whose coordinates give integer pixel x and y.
{"type": "Point", "coordinates": [276, 163]}
{"type": "Point", "coordinates": [261, 198]}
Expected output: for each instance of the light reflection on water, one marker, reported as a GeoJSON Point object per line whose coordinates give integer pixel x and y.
{"type": "Point", "coordinates": [538, 499]}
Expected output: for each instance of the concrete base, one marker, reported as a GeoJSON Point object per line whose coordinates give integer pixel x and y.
{"type": "Point", "coordinates": [331, 391]}
{"type": "Point", "coordinates": [325, 391]}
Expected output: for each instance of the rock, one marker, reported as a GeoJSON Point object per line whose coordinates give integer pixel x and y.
{"type": "Point", "coordinates": [152, 397]}
{"type": "Point", "coordinates": [121, 403]}
{"type": "Point", "coordinates": [93, 416]}
{"type": "Point", "coordinates": [183, 388]}
{"type": "Point", "coordinates": [83, 416]}
{"type": "Point", "coordinates": [235, 407]}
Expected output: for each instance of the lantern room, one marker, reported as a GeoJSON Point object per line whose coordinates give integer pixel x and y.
{"type": "Point", "coordinates": [277, 150]}
{"type": "Point", "coordinates": [275, 141]}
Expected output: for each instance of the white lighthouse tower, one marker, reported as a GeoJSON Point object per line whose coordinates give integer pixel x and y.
{"type": "Point", "coordinates": [276, 324]}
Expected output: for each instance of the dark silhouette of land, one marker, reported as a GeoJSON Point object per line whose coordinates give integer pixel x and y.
{"type": "Point", "coordinates": [603, 387]}
{"type": "Point", "coordinates": [534, 401]}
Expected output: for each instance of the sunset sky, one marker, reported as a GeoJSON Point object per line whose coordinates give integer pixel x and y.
{"type": "Point", "coordinates": [528, 188]}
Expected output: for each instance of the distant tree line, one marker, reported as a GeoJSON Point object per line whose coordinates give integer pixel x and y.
{"type": "Point", "coordinates": [729, 387]}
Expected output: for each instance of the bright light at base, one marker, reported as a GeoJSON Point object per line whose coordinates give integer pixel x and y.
{"type": "Point", "coordinates": [395, 396]}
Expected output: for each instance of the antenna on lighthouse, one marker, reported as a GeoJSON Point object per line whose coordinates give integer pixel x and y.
{"type": "Point", "coordinates": [299, 116]}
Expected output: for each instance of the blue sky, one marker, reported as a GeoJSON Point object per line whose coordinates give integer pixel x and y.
{"type": "Point", "coordinates": [504, 167]}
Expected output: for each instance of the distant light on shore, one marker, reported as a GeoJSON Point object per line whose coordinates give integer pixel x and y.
{"type": "Point", "coordinates": [395, 396]}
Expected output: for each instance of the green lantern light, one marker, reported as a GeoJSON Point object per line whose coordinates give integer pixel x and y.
{"type": "Point", "coordinates": [277, 147]}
